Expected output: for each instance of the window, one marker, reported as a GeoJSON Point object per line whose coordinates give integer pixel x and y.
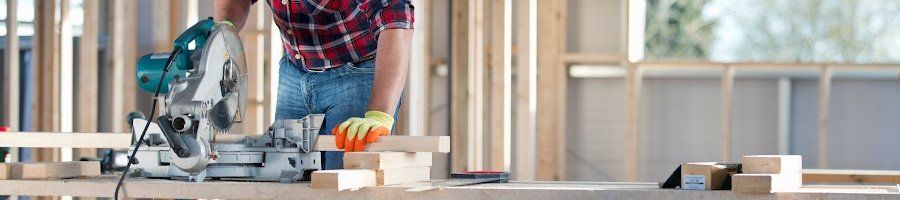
{"type": "Point", "coordinates": [773, 30]}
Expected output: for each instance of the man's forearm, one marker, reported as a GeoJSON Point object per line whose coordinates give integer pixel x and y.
{"type": "Point", "coordinates": [392, 65]}
{"type": "Point", "coordinates": [235, 11]}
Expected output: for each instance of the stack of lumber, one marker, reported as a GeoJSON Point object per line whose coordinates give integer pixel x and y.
{"type": "Point", "coordinates": [364, 169]}
{"type": "Point", "coordinates": [49, 170]}
{"type": "Point", "coordinates": [769, 173]}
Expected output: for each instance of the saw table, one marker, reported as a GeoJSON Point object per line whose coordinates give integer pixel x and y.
{"type": "Point", "coordinates": [155, 188]}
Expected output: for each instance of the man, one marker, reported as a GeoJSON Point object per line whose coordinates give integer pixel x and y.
{"type": "Point", "coordinates": [347, 59]}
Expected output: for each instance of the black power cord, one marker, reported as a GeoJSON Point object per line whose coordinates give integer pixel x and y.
{"type": "Point", "coordinates": [140, 140]}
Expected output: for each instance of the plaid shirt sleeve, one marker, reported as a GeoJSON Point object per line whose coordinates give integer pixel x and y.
{"type": "Point", "coordinates": [390, 14]}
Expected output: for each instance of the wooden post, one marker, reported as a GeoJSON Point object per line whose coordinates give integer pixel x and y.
{"type": "Point", "coordinates": [47, 62]}
{"type": "Point", "coordinates": [476, 64]}
{"type": "Point", "coordinates": [727, 88]}
{"type": "Point", "coordinates": [500, 84]}
{"type": "Point", "coordinates": [526, 84]}
{"type": "Point", "coordinates": [88, 94]}
{"type": "Point", "coordinates": [419, 81]}
{"type": "Point", "coordinates": [459, 74]}
{"type": "Point", "coordinates": [633, 84]}
{"type": "Point", "coordinates": [551, 90]}
{"type": "Point", "coordinates": [11, 80]}
{"type": "Point", "coordinates": [123, 56]}
{"type": "Point", "coordinates": [252, 33]}
{"type": "Point", "coordinates": [824, 103]}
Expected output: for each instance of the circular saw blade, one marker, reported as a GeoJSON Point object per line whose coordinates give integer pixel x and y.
{"type": "Point", "coordinates": [231, 108]}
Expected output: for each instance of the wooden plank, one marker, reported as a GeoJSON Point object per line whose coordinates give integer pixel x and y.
{"type": "Point", "coordinates": [123, 140]}
{"type": "Point", "coordinates": [824, 104]}
{"type": "Point", "coordinates": [169, 189]}
{"type": "Point", "coordinates": [766, 183]}
{"type": "Point", "coordinates": [11, 80]}
{"type": "Point", "coordinates": [771, 164]}
{"type": "Point", "coordinates": [386, 160]}
{"type": "Point", "coordinates": [526, 84]}
{"type": "Point", "coordinates": [727, 90]}
{"type": "Point", "coordinates": [551, 90]}
{"type": "Point", "coordinates": [500, 85]}
{"type": "Point", "coordinates": [394, 143]}
{"type": "Point", "coordinates": [343, 179]}
{"type": "Point", "coordinates": [402, 175]}
{"type": "Point", "coordinates": [87, 77]}
{"type": "Point", "coordinates": [53, 170]}
{"type": "Point", "coordinates": [633, 85]}
{"type": "Point", "coordinates": [850, 176]}
{"type": "Point", "coordinates": [594, 58]}
{"type": "Point", "coordinates": [459, 73]}
{"type": "Point", "coordinates": [419, 81]}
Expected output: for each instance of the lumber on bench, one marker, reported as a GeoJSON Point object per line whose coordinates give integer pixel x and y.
{"type": "Point", "coordinates": [850, 176]}
{"type": "Point", "coordinates": [123, 140]}
{"type": "Point", "coordinates": [49, 170]}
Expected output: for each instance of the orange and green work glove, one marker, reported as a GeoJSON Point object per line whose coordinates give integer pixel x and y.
{"type": "Point", "coordinates": [355, 133]}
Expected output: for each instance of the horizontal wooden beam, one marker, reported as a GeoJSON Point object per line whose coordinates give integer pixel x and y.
{"type": "Point", "coordinates": [123, 140]}
{"type": "Point", "coordinates": [168, 189]}
{"type": "Point", "coordinates": [850, 176]}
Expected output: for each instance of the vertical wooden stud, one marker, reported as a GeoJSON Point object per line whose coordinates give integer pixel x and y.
{"type": "Point", "coordinates": [551, 90]}
{"type": "Point", "coordinates": [727, 90]}
{"type": "Point", "coordinates": [824, 104]}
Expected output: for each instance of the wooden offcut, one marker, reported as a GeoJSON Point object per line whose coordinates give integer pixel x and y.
{"type": "Point", "coordinates": [772, 164]}
{"type": "Point", "coordinates": [4, 171]}
{"type": "Point", "coordinates": [394, 176]}
{"type": "Point", "coordinates": [53, 170]}
{"type": "Point", "coordinates": [386, 160]}
{"type": "Point", "coordinates": [766, 183]}
{"type": "Point", "coordinates": [342, 179]}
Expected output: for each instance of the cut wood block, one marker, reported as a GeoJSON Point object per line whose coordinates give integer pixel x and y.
{"type": "Point", "coordinates": [386, 160]}
{"type": "Point", "coordinates": [772, 164]}
{"type": "Point", "coordinates": [402, 175]}
{"type": "Point", "coordinates": [343, 179]}
{"type": "Point", "coordinates": [4, 171]}
{"type": "Point", "coordinates": [54, 170]}
{"type": "Point", "coordinates": [766, 183]}
{"type": "Point", "coordinates": [394, 143]}
{"type": "Point", "coordinates": [704, 175]}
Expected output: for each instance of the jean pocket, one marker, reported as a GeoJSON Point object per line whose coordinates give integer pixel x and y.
{"type": "Point", "coordinates": [362, 67]}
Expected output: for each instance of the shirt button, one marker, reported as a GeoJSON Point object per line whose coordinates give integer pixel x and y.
{"type": "Point", "coordinates": [289, 32]}
{"type": "Point", "coordinates": [297, 56]}
{"type": "Point", "coordinates": [284, 2]}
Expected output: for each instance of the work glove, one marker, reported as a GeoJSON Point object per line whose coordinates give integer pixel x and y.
{"type": "Point", "coordinates": [355, 133]}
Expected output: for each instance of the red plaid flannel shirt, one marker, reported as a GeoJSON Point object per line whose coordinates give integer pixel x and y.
{"type": "Point", "coordinates": [321, 34]}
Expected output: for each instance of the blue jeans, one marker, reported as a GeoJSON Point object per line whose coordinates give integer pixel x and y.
{"type": "Point", "coordinates": [339, 93]}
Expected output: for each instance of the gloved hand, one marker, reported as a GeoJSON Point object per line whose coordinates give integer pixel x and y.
{"type": "Point", "coordinates": [355, 133]}
{"type": "Point", "coordinates": [229, 22]}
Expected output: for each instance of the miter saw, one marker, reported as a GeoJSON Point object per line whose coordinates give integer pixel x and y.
{"type": "Point", "coordinates": [205, 95]}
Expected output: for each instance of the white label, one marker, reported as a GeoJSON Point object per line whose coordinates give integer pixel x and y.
{"type": "Point", "coordinates": [693, 182]}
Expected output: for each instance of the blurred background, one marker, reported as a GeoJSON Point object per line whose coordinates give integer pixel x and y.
{"type": "Point", "coordinates": [582, 90]}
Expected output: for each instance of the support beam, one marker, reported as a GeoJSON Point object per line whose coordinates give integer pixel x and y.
{"type": "Point", "coordinates": [526, 90]}
{"type": "Point", "coordinates": [419, 81]}
{"type": "Point", "coordinates": [825, 75]}
{"type": "Point", "coordinates": [633, 85]}
{"type": "Point", "coordinates": [500, 85]}
{"type": "Point", "coordinates": [458, 85]}
{"type": "Point", "coordinates": [47, 75]}
{"type": "Point", "coordinates": [11, 80]}
{"type": "Point", "coordinates": [727, 90]}
{"type": "Point", "coordinates": [551, 90]}
{"type": "Point", "coordinates": [123, 55]}
{"type": "Point", "coordinates": [87, 78]}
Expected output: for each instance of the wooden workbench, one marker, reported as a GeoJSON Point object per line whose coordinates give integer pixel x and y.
{"type": "Point", "coordinates": [154, 188]}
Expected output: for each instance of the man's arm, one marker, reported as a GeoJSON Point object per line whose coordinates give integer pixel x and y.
{"type": "Point", "coordinates": [392, 65]}
{"type": "Point", "coordinates": [235, 11]}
